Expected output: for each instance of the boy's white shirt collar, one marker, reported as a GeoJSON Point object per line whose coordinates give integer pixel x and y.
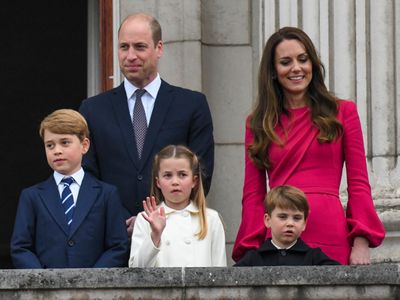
{"type": "Point", "coordinates": [152, 88]}
{"type": "Point", "coordinates": [77, 176]}
{"type": "Point", "coordinates": [192, 208]}
{"type": "Point", "coordinates": [279, 248]}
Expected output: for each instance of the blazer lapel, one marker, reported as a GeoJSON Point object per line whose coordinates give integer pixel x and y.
{"type": "Point", "coordinates": [86, 198]}
{"type": "Point", "coordinates": [51, 199]}
{"type": "Point", "coordinates": [121, 111]}
{"type": "Point", "coordinates": [161, 105]}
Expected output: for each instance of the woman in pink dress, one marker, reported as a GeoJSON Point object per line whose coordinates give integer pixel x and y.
{"type": "Point", "coordinates": [300, 135]}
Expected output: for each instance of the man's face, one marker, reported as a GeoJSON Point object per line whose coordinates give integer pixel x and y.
{"type": "Point", "coordinates": [138, 56]}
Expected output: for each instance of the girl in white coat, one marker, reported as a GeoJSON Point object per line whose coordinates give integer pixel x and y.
{"type": "Point", "coordinates": [176, 228]}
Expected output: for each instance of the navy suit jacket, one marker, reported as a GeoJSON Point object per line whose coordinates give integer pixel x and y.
{"type": "Point", "coordinates": [180, 116]}
{"type": "Point", "coordinates": [96, 237]}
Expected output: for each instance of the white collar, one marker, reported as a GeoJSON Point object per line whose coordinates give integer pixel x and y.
{"type": "Point", "coordinates": [77, 176]}
{"type": "Point", "coordinates": [152, 88]}
{"type": "Point", "coordinates": [278, 247]}
{"type": "Point", "coordinates": [191, 208]}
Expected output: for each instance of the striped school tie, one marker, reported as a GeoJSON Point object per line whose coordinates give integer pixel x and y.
{"type": "Point", "coordinates": [68, 199]}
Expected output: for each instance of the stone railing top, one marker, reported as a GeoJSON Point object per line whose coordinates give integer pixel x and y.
{"type": "Point", "coordinates": [379, 274]}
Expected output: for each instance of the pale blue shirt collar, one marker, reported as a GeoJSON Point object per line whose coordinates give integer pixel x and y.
{"type": "Point", "coordinates": [152, 88]}
{"type": "Point", "coordinates": [77, 176]}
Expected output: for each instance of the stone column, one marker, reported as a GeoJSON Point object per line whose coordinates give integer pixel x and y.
{"type": "Point", "coordinates": [228, 60]}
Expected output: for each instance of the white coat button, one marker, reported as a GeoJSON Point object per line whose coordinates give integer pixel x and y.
{"type": "Point", "coordinates": [167, 243]}
{"type": "Point", "coordinates": [185, 214]}
{"type": "Point", "coordinates": [187, 241]}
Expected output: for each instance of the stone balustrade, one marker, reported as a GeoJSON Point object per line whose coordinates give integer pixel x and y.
{"type": "Point", "coordinates": [378, 281]}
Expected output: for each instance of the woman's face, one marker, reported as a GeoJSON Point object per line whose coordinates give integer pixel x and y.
{"type": "Point", "coordinates": [293, 70]}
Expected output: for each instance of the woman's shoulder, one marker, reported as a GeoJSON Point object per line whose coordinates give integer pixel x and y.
{"type": "Point", "coordinates": [345, 104]}
{"type": "Point", "coordinates": [248, 120]}
{"type": "Point", "coordinates": [346, 107]}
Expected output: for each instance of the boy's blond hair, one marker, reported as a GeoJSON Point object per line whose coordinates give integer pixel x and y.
{"type": "Point", "coordinates": [65, 121]}
{"type": "Point", "coordinates": [286, 197]}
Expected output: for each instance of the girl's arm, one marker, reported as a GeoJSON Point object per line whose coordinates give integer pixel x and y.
{"type": "Point", "coordinates": [156, 218]}
{"type": "Point", "coordinates": [216, 228]}
{"type": "Point", "coordinates": [144, 252]}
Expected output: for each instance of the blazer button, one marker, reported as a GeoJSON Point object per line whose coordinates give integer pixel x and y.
{"type": "Point", "coordinates": [140, 177]}
{"type": "Point", "coordinates": [71, 243]}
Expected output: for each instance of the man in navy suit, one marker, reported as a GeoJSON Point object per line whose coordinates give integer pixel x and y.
{"type": "Point", "coordinates": [173, 115]}
{"type": "Point", "coordinates": [77, 224]}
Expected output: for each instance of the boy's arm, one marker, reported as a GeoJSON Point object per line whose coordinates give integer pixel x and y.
{"type": "Point", "coordinates": [116, 243]}
{"type": "Point", "coordinates": [22, 240]}
{"type": "Point", "coordinates": [218, 242]}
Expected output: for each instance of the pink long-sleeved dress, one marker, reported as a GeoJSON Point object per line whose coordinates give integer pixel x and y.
{"type": "Point", "coordinates": [316, 169]}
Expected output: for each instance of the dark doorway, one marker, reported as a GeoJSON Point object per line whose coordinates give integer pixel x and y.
{"type": "Point", "coordinates": [43, 68]}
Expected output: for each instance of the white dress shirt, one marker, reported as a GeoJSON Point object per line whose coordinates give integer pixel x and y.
{"type": "Point", "coordinates": [148, 98]}
{"type": "Point", "coordinates": [74, 187]}
{"type": "Point", "coordinates": [179, 246]}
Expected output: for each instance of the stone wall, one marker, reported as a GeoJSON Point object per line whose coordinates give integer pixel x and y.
{"type": "Point", "coordinates": [380, 281]}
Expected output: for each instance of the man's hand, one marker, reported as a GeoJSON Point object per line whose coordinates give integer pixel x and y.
{"type": "Point", "coordinates": [129, 225]}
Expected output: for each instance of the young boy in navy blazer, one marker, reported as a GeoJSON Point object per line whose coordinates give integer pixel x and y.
{"type": "Point", "coordinates": [286, 216]}
{"type": "Point", "coordinates": [68, 225]}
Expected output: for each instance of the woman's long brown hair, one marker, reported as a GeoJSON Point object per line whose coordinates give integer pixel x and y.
{"type": "Point", "coordinates": [270, 102]}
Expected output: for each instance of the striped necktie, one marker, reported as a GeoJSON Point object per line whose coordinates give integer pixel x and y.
{"type": "Point", "coordinates": [68, 199]}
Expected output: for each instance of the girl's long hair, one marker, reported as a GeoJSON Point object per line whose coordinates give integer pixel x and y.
{"type": "Point", "coordinates": [270, 102]}
{"type": "Point", "coordinates": [197, 195]}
